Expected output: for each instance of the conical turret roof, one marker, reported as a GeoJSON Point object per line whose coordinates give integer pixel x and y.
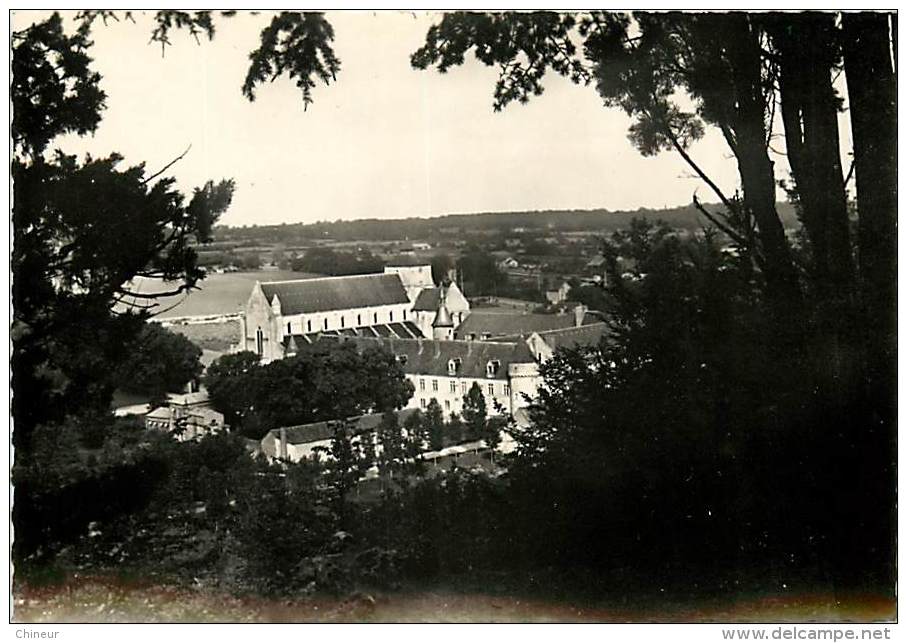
{"type": "Point", "coordinates": [443, 318]}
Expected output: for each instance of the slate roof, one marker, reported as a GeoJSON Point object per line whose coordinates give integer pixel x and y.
{"type": "Point", "coordinates": [431, 357]}
{"type": "Point", "coordinates": [316, 431]}
{"type": "Point", "coordinates": [588, 335]}
{"type": "Point", "coordinates": [336, 293]}
{"type": "Point", "coordinates": [406, 330]}
{"type": "Point", "coordinates": [430, 298]}
{"type": "Point", "coordinates": [498, 324]}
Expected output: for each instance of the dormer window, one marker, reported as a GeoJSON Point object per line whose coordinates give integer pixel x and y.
{"type": "Point", "coordinates": [491, 369]}
{"type": "Point", "coordinates": [486, 335]}
{"type": "Point", "coordinates": [401, 359]}
{"type": "Point", "coordinates": [454, 365]}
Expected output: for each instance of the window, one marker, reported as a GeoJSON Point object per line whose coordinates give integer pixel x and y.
{"type": "Point", "coordinates": [507, 390]}
{"type": "Point", "coordinates": [486, 335]}
{"type": "Point", "coordinates": [434, 385]}
{"type": "Point", "coordinates": [308, 326]}
{"type": "Point", "coordinates": [421, 384]}
{"type": "Point", "coordinates": [391, 314]}
{"type": "Point", "coordinates": [342, 322]}
{"type": "Point", "coordinates": [404, 314]}
{"type": "Point", "coordinates": [422, 402]}
{"type": "Point", "coordinates": [447, 404]}
{"type": "Point", "coordinates": [464, 388]}
{"type": "Point", "coordinates": [359, 320]}
{"type": "Point", "coordinates": [453, 387]}
{"type": "Point", "coordinates": [376, 318]}
{"type": "Point", "coordinates": [490, 390]}
{"type": "Point", "coordinates": [402, 359]}
{"type": "Point", "coordinates": [259, 342]}
{"type": "Point", "coordinates": [491, 369]}
{"type": "Point", "coordinates": [289, 332]}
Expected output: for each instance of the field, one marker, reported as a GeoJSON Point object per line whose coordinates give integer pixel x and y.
{"type": "Point", "coordinates": [217, 294]}
{"type": "Point", "coordinates": [217, 337]}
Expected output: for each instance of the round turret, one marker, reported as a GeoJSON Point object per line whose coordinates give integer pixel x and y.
{"type": "Point", "coordinates": [442, 326]}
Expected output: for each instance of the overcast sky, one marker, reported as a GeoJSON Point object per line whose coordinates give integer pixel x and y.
{"type": "Point", "coordinates": [384, 141]}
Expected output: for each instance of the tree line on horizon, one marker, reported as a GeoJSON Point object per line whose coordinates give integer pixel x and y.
{"type": "Point", "coordinates": [598, 220]}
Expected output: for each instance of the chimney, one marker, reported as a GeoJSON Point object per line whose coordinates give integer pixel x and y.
{"type": "Point", "coordinates": [282, 451]}
{"type": "Point", "coordinates": [579, 313]}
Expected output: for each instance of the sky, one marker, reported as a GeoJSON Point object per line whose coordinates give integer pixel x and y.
{"type": "Point", "coordinates": [384, 141]}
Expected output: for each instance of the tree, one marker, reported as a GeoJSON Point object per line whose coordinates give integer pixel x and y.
{"type": "Point", "coordinates": [433, 425]}
{"type": "Point", "coordinates": [283, 524]}
{"type": "Point", "coordinates": [454, 429]}
{"type": "Point", "coordinates": [868, 39]}
{"type": "Point", "coordinates": [475, 412]}
{"type": "Point", "coordinates": [230, 383]}
{"type": "Point", "coordinates": [480, 272]}
{"type": "Point", "coordinates": [84, 232]}
{"type": "Point", "coordinates": [807, 54]}
{"type": "Point", "coordinates": [393, 449]}
{"type": "Point", "coordinates": [441, 265]}
{"type": "Point", "coordinates": [715, 58]}
{"type": "Point", "coordinates": [325, 381]}
{"type": "Point", "coordinates": [327, 261]}
{"type": "Point", "coordinates": [415, 441]}
{"type": "Point", "coordinates": [159, 362]}
{"type": "Point", "coordinates": [348, 464]}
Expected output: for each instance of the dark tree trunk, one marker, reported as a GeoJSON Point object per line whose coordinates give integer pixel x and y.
{"type": "Point", "coordinates": [872, 88]}
{"type": "Point", "coordinates": [757, 172]}
{"type": "Point", "coordinates": [809, 107]}
{"type": "Point", "coordinates": [869, 39]}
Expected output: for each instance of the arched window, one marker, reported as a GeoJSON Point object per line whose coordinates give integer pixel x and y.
{"type": "Point", "coordinates": [259, 342]}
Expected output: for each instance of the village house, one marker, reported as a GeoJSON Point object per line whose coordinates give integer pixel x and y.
{"type": "Point", "coordinates": [306, 440]}
{"type": "Point", "coordinates": [558, 295]}
{"type": "Point", "coordinates": [187, 416]}
{"type": "Point", "coordinates": [313, 440]}
{"type": "Point", "coordinates": [544, 344]}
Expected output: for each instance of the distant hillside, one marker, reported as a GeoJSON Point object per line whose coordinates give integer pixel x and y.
{"type": "Point", "coordinates": [465, 224]}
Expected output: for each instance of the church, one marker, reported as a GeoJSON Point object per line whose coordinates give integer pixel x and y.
{"type": "Point", "coordinates": [402, 310]}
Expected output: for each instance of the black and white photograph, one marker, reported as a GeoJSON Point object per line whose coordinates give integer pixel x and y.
{"type": "Point", "coordinates": [455, 315]}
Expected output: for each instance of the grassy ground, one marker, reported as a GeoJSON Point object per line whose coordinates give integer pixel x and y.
{"type": "Point", "coordinates": [211, 337]}
{"type": "Point", "coordinates": [217, 293]}
{"type": "Point", "coordinates": [93, 599]}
